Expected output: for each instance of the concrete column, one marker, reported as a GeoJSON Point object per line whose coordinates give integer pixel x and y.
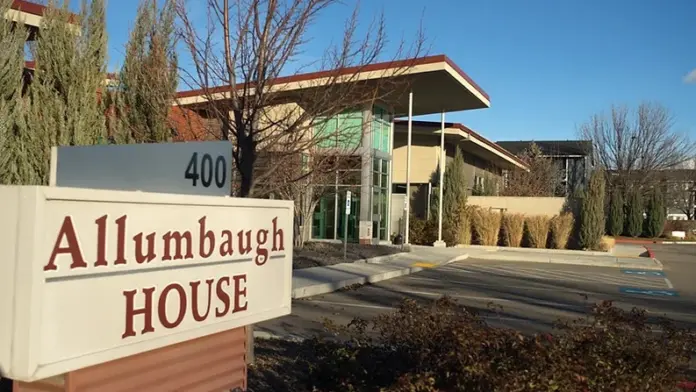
{"type": "Point", "coordinates": [439, 242]}
{"type": "Point", "coordinates": [365, 222]}
{"type": "Point", "coordinates": [390, 169]}
{"type": "Point", "coordinates": [407, 211]}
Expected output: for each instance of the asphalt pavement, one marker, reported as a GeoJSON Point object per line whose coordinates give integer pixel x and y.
{"type": "Point", "coordinates": [528, 297]}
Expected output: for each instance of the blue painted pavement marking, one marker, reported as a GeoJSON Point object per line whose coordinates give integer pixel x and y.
{"type": "Point", "coordinates": [656, 293]}
{"type": "Point", "coordinates": [644, 273]}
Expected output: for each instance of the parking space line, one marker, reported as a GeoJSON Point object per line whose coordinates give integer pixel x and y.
{"type": "Point", "coordinates": [669, 283]}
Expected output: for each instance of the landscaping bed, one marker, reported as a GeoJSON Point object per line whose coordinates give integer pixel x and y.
{"type": "Point", "coordinates": [321, 254]}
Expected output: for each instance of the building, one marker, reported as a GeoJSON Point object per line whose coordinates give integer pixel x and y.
{"type": "Point", "coordinates": [485, 163]}
{"type": "Point", "coordinates": [573, 158]}
{"type": "Point", "coordinates": [436, 85]}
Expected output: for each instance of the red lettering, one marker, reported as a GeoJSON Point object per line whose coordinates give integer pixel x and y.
{"type": "Point", "coordinates": [162, 306]}
{"type": "Point", "coordinates": [226, 248]}
{"type": "Point", "coordinates": [146, 311]}
{"type": "Point", "coordinates": [222, 296]}
{"type": "Point", "coordinates": [101, 241]}
{"type": "Point", "coordinates": [140, 257]}
{"type": "Point", "coordinates": [194, 299]}
{"type": "Point", "coordinates": [261, 252]}
{"type": "Point", "coordinates": [67, 231]}
{"type": "Point", "coordinates": [178, 239]}
{"type": "Point", "coordinates": [278, 237]}
{"type": "Point", "coordinates": [121, 240]}
{"type": "Point", "coordinates": [244, 248]}
{"type": "Point", "coordinates": [205, 236]}
{"type": "Point", "coordinates": [239, 293]}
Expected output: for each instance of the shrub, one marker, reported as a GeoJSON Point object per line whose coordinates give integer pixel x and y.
{"type": "Point", "coordinates": [422, 231]}
{"type": "Point", "coordinates": [634, 213]}
{"type": "Point", "coordinates": [656, 214]}
{"type": "Point", "coordinates": [607, 243]}
{"type": "Point", "coordinates": [445, 347]}
{"type": "Point", "coordinates": [513, 229]}
{"type": "Point", "coordinates": [537, 230]}
{"type": "Point", "coordinates": [616, 214]}
{"type": "Point", "coordinates": [454, 198]}
{"type": "Point", "coordinates": [592, 214]}
{"type": "Point", "coordinates": [561, 228]}
{"type": "Point", "coordinates": [486, 225]}
{"type": "Point", "coordinates": [465, 233]}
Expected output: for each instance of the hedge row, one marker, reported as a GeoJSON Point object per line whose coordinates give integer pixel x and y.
{"type": "Point", "coordinates": [489, 227]}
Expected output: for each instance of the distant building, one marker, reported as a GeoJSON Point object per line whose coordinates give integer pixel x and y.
{"type": "Point", "coordinates": [573, 158]}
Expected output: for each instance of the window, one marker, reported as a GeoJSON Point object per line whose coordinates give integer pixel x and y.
{"type": "Point", "coordinates": [341, 131]}
{"type": "Point", "coordinates": [381, 127]}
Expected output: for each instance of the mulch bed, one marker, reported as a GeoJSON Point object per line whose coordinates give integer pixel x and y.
{"type": "Point", "coordinates": [321, 254]}
{"type": "Point", "coordinates": [275, 367]}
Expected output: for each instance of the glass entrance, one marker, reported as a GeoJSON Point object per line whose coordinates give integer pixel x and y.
{"type": "Point", "coordinates": [323, 218]}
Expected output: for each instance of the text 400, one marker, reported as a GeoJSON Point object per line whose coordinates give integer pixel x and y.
{"type": "Point", "coordinates": [208, 170]}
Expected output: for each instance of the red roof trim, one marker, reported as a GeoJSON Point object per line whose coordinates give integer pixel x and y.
{"type": "Point", "coordinates": [349, 70]}
{"type": "Point", "coordinates": [469, 131]}
{"type": "Point", "coordinates": [34, 9]}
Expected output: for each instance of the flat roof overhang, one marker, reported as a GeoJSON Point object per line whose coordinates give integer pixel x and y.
{"type": "Point", "coordinates": [468, 140]}
{"type": "Point", "coordinates": [436, 82]}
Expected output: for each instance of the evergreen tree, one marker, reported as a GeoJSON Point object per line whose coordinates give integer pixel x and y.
{"type": "Point", "coordinates": [148, 80]}
{"type": "Point", "coordinates": [656, 214]}
{"type": "Point", "coordinates": [66, 91]}
{"type": "Point", "coordinates": [634, 213]}
{"type": "Point", "coordinates": [592, 214]}
{"type": "Point", "coordinates": [616, 213]}
{"type": "Point", "coordinates": [17, 164]}
{"type": "Point", "coordinates": [454, 194]}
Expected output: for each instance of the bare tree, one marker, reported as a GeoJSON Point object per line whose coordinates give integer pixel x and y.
{"type": "Point", "coordinates": [258, 112]}
{"type": "Point", "coordinates": [681, 191]}
{"type": "Point", "coordinates": [542, 179]}
{"type": "Point", "coordinates": [635, 145]}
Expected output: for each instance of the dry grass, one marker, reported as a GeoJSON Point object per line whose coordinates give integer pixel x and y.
{"type": "Point", "coordinates": [513, 229]}
{"type": "Point", "coordinates": [561, 228]}
{"type": "Point", "coordinates": [486, 226]}
{"type": "Point", "coordinates": [464, 235]}
{"type": "Point", "coordinates": [607, 243]}
{"type": "Point", "coordinates": [537, 230]}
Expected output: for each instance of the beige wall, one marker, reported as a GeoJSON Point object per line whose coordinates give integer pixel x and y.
{"type": "Point", "coordinates": [524, 205]}
{"type": "Point", "coordinates": [425, 155]}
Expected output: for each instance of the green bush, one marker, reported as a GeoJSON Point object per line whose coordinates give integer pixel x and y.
{"type": "Point", "coordinates": [486, 224]}
{"type": "Point", "coordinates": [422, 231]}
{"type": "Point", "coordinates": [537, 231]}
{"type": "Point", "coordinates": [561, 228]}
{"type": "Point", "coordinates": [616, 213]}
{"type": "Point", "coordinates": [634, 214]}
{"type": "Point", "coordinates": [513, 229]}
{"type": "Point", "coordinates": [445, 347]}
{"type": "Point", "coordinates": [656, 214]}
{"type": "Point", "coordinates": [592, 212]}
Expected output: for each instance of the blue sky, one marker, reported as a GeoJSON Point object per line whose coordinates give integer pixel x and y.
{"type": "Point", "coordinates": [548, 65]}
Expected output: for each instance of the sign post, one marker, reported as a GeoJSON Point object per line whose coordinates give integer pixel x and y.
{"type": "Point", "coordinates": [345, 226]}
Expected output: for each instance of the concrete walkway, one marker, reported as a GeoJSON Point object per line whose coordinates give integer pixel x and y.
{"type": "Point", "coordinates": [320, 280]}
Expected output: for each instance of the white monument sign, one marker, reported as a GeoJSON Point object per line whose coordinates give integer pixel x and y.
{"type": "Point", "coordinates": [89, 276]}
{"type": "Point", "coordinates": [199, 168]}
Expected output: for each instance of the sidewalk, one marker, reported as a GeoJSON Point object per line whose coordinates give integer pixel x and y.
{"type": "Point", "coordinates": [320, 280]}
{"type": "Point", "coordinates": [595, 259]}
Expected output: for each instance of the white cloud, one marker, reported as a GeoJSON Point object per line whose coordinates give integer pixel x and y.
{"type": "Point", "coordinates": [690, 77]}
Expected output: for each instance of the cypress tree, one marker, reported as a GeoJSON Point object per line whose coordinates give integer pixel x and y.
{"type": "Point", "coordinates": [592, 214]}
{"type": "Point", "coordinates": [454, 194]}
{"type": "Point", "coordinates": [656, 214]}
{"type": "Point", "coordinates": [148, 79]}
{"type": "Point", "coordinates": [616, 213]}
{"type": "Point", "coordinates": [634, 213]}
{"type": "Point", "coordinates": [17, 162]}
{"type": "Point", "coordinates": [69, 79]}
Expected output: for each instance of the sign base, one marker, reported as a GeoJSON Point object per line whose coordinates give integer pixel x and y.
{"type": "Point", "coordinates": [211, 363]}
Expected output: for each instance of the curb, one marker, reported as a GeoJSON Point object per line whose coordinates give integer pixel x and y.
{"type": "Point", "coordinates": [535, 250]}
{"type": "Point", "coordinates": [380, 259]}
{"type": "Point", "coordinates": [651, 254]}
{"type": "Point", "coordinates": [330, 287]}
{"type": "Point", "coordinates": [613, 263]}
